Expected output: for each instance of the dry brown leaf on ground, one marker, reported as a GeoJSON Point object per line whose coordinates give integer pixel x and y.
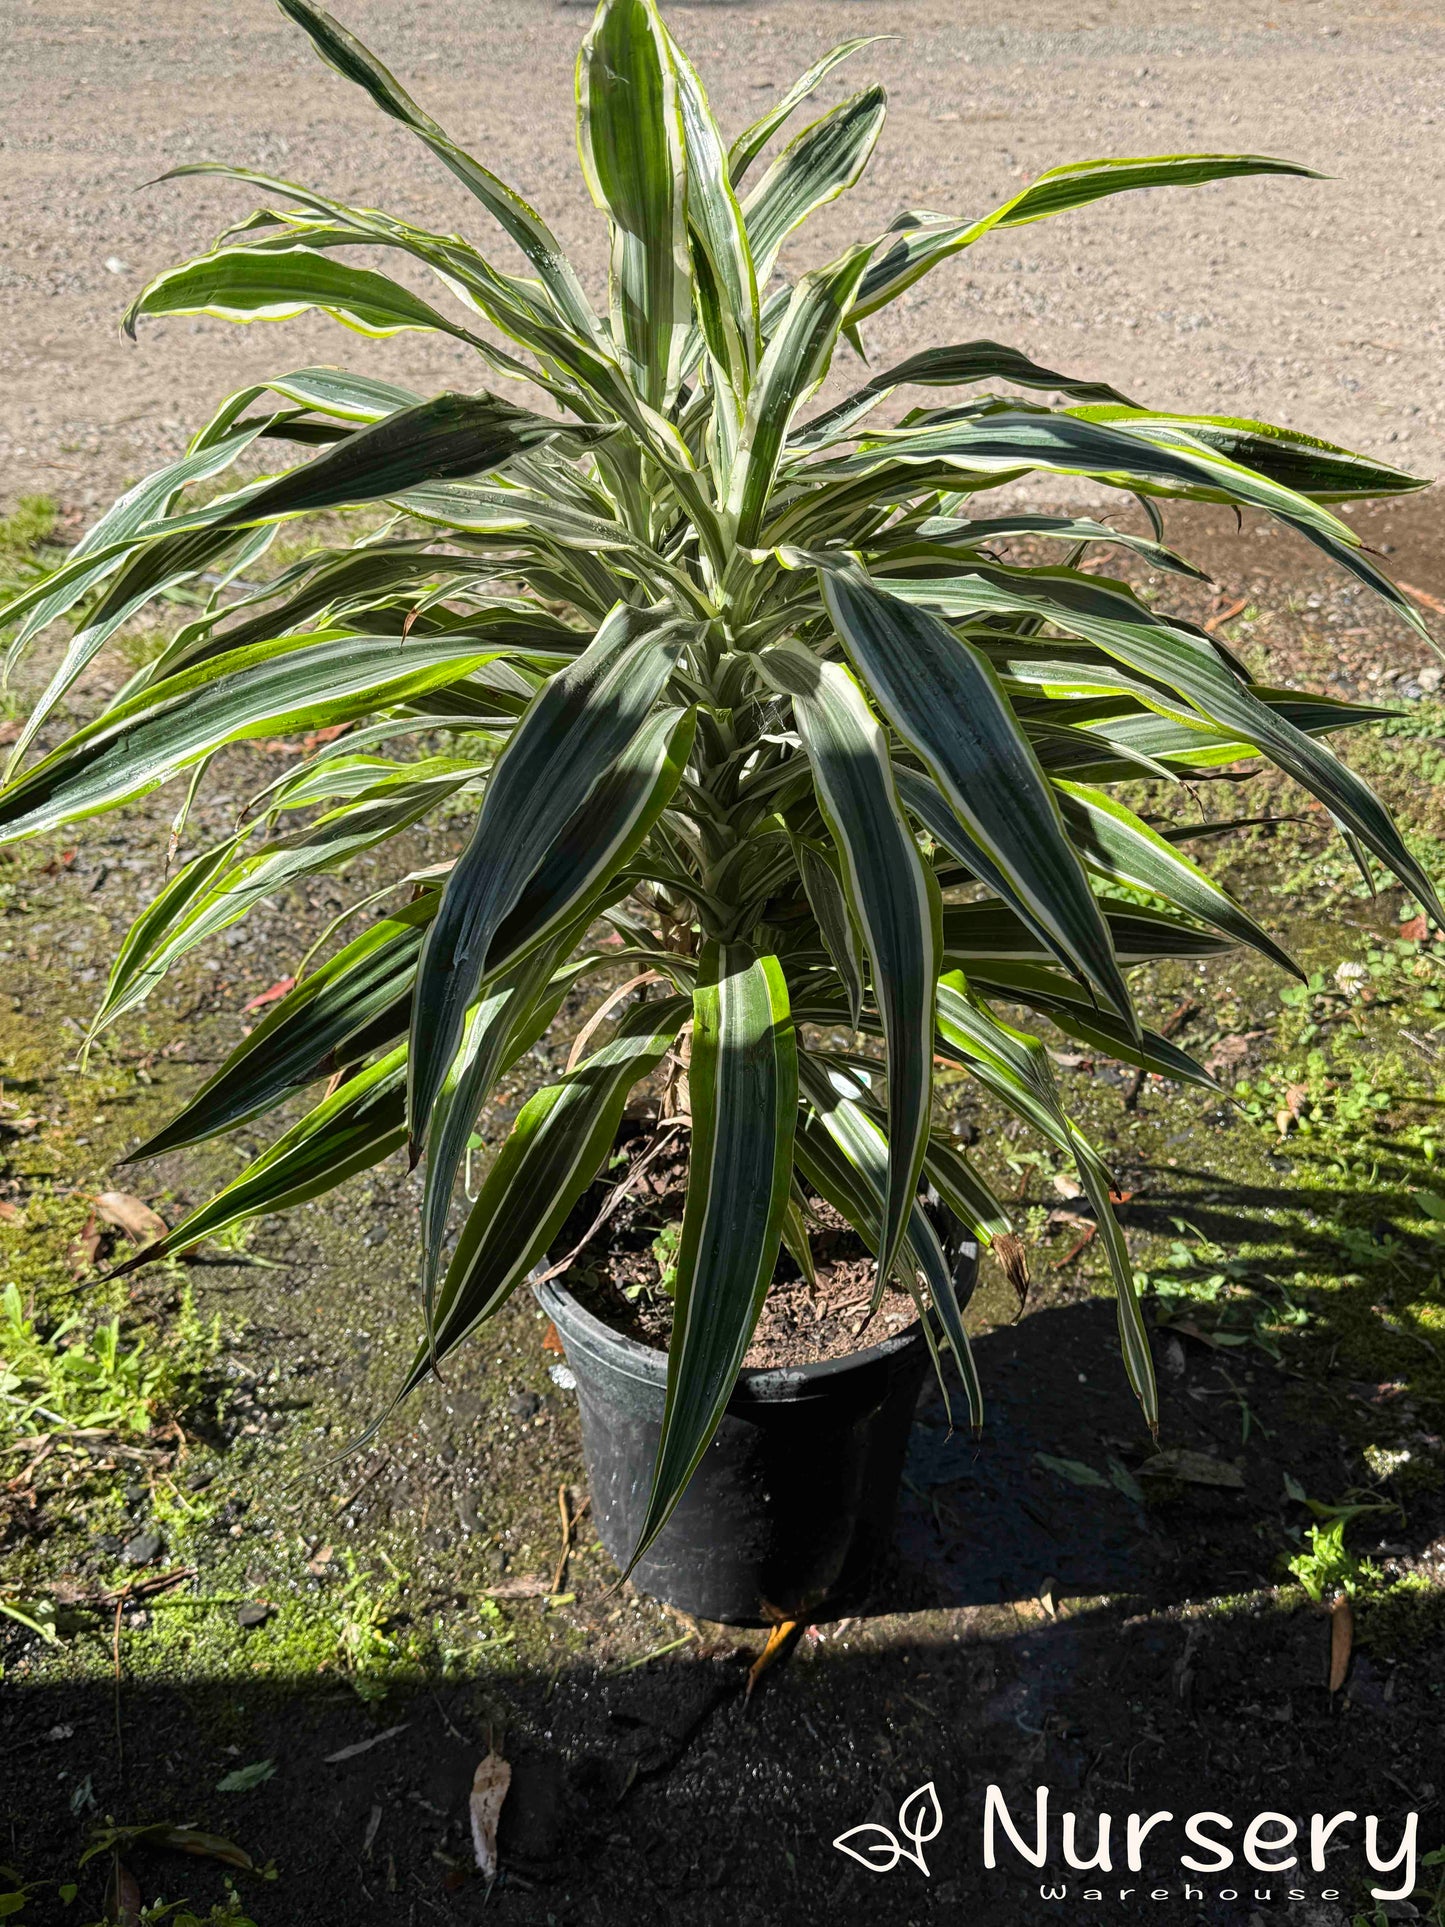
{"type": "Point", "coordinates": [489, 1788]}
{"type": "Point", "coordinates": [520, 1587]}
{"type": "Point", "coordinates": [139, 1223]}
{"type": "Point", "coordinates": [123, 1896]}
{"type": "Point", "coordinates": [1226, 615]}
{"type": "Point", "coordinates": [1194, 1468]}
{"type": "Point", "coordinates": [84, 1252]}
{"type": "Point", "coordinates": [1230, 1051]}
{"type": "Point", "coordinates": [1342, 1640]}
{"type": "Point", "coordinates": [274, 995]}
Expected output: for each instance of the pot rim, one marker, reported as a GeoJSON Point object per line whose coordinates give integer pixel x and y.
{"type": "Point", "coordinates": [763, 1383]}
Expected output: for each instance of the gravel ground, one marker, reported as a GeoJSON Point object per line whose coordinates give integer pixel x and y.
{"type": "Point", "coordinates": [1316, 303]}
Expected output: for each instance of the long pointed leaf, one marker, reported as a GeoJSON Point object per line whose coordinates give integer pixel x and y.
{"type": "Point", "coordinates": [629, 134]}
{"type": "Point", "coordinates": [356, 1001]}
{"type": "Point", "coordinates": [815, 168]}
{"type": "Point", "coordinates": [1016, 1066]}
{"type": "Point", "coordinates": [1183, 660]}
{"type": "Point", "coordinates": [755, 137]}
{"type": "Point", "coordinates": [728, 295]}
{"type": "Point", "coordinates": [240, 284]}
{"type": "Point", "coordinates": [842, 1107]}
{"type": "Point", "coordinates": [941, 694]}
{"type": "Point", "coordinates": [554, 1150]}
{"type": "Point", "coordinates": [924, 244]}
{"type": "Point", "coordinates": [352, 1130]}
{"type": "Point", "coordinates": [892, 895]}
{"type": "Point", "coordinates": [1139, 935]}
{"type": "Point", "coordinates": [829, 905]}
{"type": "Point", "coordinates": [743, 1081]}
{"type": "Point", "coordinates": [795, 364]}
{"type": "Point", "coordinates": [343, 51]}
{"type": "Point", "coordinates": [299, 682]}
{"type": "Point", "coordinates": [1113, 839]}
{"type": "Point", "coordinates": [574, 730]}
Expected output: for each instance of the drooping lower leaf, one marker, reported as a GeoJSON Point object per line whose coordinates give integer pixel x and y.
{"type": "Point", "coordinates": [554, 1150]}
{"type": "Point", "coordinates": [356, 1002]}
{"type": "Point", "coordinates": [308, 682]}
{"type": "Point", "coordinates": [842, 1105]}
{"type": "Point", "coordinates": [352, 1130]}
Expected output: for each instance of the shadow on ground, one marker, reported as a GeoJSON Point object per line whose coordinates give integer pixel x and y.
{"type": "Point", "coordinates": [659, 1793]}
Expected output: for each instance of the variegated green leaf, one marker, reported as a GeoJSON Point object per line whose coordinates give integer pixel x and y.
{"type": "Point", "coordinates": [104, 547]}
{"type": "Point", "coordinates": [754, 138]}
{"type": "Point", "coordinates": [1184, 660]}
{"type": "Point", "coordinates": [204, 900]}
{"type": "Point", "coordinates": [577, 727]}
{"type": "Point", "coordinates": [1322, 470]}
{"type": "Point", "coordinates": [941, 694]}
{"type": "Point", "coordinates": [743, 1085]}
{"type": "Point", "coordinates": [822, 163]}
{"type": "Point", "coordinates": [829, 904]}
{"type": "Point", "coordinates": [1139, 935]}
{"type": "Point", "coordinates": [954, 367]}
{"type": "Point", "coordinates": [354, 1129]}
{"type": "Point", "coordinates": [1016, 1066]}
{"type": "Point", "coordinates": [842, 1104]}
{"type": "Point", "coordinates": [303, 681]}
{"type": "Point", "coordinates": [725, 283]}
{"type": "Point", "coordinates": [1112, 840]}
{"type": "Point", "coordinates": [795, 364]}
{"type": "Point", "coordinates": [355, 1003]}
{"type": "Point", "coordinates": [343, 51]}
{"type": "Point", "coordinates": [556, 1147]}
{"type": "Point", "coordinates": [891, 894]}
{"type": "Point", "coordinates": [1060, 998]}
{"type": "Point", "coordinates": [238, 284]}
{"type": "Point", "coordinates": [630, 136]}
{"type": "Point", "coordinates": [556, 904]}
{"type": "Point", "coordinates": [922, 244]}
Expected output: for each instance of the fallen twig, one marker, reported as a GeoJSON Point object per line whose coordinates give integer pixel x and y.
{"type": "Point", "coordinates": [615, 1197]}
{"type": "Point", "coordinates": [579, 1042]}
{"type": "Point", "coordinates": [1422, 596]}
{"type": "Point", "coordinates": [569, 1526]}
{"type": "Point", "coordinates": [1226, 615]}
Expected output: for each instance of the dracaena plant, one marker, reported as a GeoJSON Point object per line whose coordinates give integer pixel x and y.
{"type": "Point", "coordinates": [758, 685]}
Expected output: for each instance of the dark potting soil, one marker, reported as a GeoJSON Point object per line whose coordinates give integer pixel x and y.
{"type": "Point", "coordinates": [623, 1272]}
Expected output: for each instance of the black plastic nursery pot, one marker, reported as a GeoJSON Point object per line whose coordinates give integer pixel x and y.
{"type": "Point", "coordinates": [791, 1509]}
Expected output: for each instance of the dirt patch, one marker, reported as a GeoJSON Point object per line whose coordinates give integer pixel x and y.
{"type": "Point", "coordinates": [624, 1273]}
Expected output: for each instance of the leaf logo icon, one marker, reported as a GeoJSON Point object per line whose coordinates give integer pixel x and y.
{"type": "Point", "coordinates": [879, 1849]}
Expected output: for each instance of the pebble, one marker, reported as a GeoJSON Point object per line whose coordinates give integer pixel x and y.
{"type": "Point", "coordinates": [141, 1550]}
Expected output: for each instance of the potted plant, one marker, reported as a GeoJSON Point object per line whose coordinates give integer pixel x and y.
{"type": "Point", "coordinates": [760, 686]}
